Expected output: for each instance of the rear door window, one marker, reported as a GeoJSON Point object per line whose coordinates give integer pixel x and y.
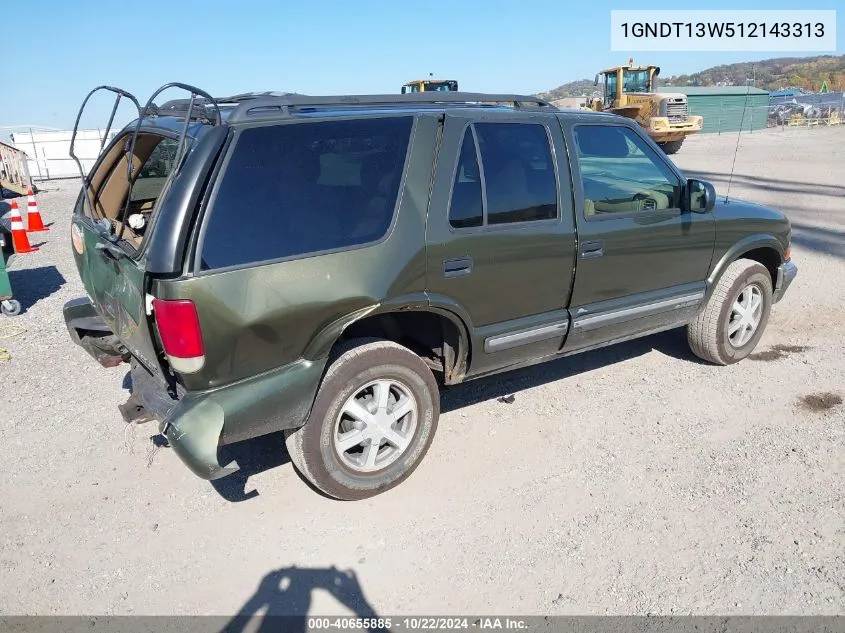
{"type": "Point", "coordinates": [517, 172]}
{"type": "Point", "coordinates": [302, 188]}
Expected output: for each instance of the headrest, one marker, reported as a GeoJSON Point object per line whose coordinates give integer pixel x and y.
{"type": "Point", "coordinates": [601, 141]}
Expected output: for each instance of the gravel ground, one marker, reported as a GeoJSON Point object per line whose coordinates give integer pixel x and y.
{"type": "Point", "coordinates": [631, 480]}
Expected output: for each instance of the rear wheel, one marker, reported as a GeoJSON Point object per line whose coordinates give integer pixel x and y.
{"type": "Point", "coordinates": [671, 147]}
{"type": "Point", "coordinates": [730, 325]}
{"type": "Point", "coordinates": [372, 422]}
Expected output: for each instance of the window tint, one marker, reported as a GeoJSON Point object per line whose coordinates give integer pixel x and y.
{"type": "Point", "coordinates": [620, 173]}
{"type": "Point", "coordinates": [518, 172]}
{"type": "Point", "coordinates": [519, 176]}
{"type": "Point", "coordinates": [466, 208]}
{"type": "Point", "coordinates": [306, 187]}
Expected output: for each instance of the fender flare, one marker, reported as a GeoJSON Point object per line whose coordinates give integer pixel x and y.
{"type": "Point", "coordinates": [735, 252]}
{"type": "Point", "coordinates": [321, 345]}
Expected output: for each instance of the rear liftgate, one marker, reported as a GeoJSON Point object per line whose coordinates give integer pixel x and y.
{"type": "Point", "coordinates": [189, 428]}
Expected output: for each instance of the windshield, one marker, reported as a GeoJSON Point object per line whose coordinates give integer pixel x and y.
{"type": "Point", "coordinates": [635, 81]}
{"type": "Point", "coordinates": [441, 86]}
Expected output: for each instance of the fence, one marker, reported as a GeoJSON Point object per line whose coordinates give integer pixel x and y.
{"type": "Point", "coordinates": [48, 153]}
{"type": "Point", "coordinates": [812, 110]}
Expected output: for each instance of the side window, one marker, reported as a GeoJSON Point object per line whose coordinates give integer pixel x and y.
{"type": "Point", "coordinates": [517, 171]}
{"type": "Point", "coordinates": [154, 172]}
{"type": "Point", "coordinates": [466, 208]}
{"type": "Point", "coordinates": [300, 188]}
{"type": "Point", "coordinates": [110, 187]}
{"type": "Point", "coordinates": [620, 173]}
{"type": "Point", "coordinates": [609, 88]}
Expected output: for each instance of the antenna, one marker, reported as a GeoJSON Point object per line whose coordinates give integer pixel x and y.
{"type": "Point", "coordinates": [736, 149]}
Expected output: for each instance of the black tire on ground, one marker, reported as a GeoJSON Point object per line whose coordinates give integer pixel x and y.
{"type": "Point", "coordinates": [671, 147]}
{"type": "Point", "coordinates": [708, 334]}
{"type": "Point", "coordinates": [351, 368]}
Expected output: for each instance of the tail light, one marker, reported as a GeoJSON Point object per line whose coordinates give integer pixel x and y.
{"type": "Point", "coordinates": [179, 328]}
{"type": "Point", "coordinates": [788, 255]}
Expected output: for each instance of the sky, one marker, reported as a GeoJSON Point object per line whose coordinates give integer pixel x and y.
{"type": "Point", "coordinates": [328, 47]}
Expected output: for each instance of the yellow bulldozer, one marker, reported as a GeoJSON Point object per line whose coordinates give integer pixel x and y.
{"type": "Point", "coordinates": [630, 91]}
{"type": "Point", "coordinates": [430, 85]}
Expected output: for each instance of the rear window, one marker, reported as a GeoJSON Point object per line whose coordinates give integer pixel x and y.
{"type": "Point", "coordinates": [303, 188]}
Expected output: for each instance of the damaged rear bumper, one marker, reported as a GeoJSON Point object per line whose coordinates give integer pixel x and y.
{"type": "Point", "coordinates": [197, 423]}
{"type": "Point", "coordinates": [202, 421]}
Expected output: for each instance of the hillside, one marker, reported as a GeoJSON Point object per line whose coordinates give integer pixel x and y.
{"type": "Point", "coordinates": [806, 73]}
{"type": "Point", "coordinates": [571, 89]}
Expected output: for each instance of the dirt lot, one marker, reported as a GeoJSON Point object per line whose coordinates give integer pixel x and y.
{"type": "Point", "coordinates": [629, 480]}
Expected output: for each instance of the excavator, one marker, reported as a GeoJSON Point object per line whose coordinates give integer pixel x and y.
{"type": "Point", "coordinates": [630, 91]}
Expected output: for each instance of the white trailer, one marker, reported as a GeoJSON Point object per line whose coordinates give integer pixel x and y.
{"type": "Point", "coordinates": [48, 152]}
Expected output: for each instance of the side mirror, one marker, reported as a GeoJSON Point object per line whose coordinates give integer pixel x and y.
{"type": "Point", "coordinates": [596, 82]}
{"type": "Point", "coordinates": [700, 196]}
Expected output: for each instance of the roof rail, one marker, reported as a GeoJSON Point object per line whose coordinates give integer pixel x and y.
{"type": "Point", "coordinates": [281, 105]}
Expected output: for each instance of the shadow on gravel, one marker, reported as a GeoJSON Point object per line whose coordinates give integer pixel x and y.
{"type": "Point", "coordinates": [253, 456]}
{"type": "Point", "coordinates": [671, 343]}
{"type": "Point", "coordinates": [264, 453]}
{"type": "Point", "coordinates": [30, 285]}
{"type": "Point", "coordinates": [284, 596]}
{"type": "Point", "coordinates": [821, 240]}
{"type": "Point", "coordinates": [771, 184]}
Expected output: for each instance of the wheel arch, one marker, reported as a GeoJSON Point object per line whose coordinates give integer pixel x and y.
{"type": "Point", "coordinates": [762, 248]}
{"type": "Point", "coordinates": [435, 333]}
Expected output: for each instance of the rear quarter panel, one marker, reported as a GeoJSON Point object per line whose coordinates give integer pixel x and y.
{"type": "Point", "coordinates": [259, 318]}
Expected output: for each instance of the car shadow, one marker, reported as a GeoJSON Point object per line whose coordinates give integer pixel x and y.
{"type": "Point", "coordinates": [266, 452]}
{"type": "Point", "coordinates": [30, 285]}
{"type": "Point", "coordinates": [672, 343]}
{"type": "Point", "coordinates": [285, 596]}
{"type": "Point", "coordinates": [253, 457]}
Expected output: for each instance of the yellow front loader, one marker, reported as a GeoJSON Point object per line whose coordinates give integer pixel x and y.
{"type": "Point", "coordinates": [630, 92]}
{"type": "Point", "coordinates": [430, 85]}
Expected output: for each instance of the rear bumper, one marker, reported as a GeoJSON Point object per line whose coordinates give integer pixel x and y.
{"type": "Point", "coordinates": [197, 423]}
{"type": "Point", "coordinates": [786, 274]}
{"type": "Point", "coordinates": [662, 126]}
{"type": "Point", "coordinates": [202, 421]}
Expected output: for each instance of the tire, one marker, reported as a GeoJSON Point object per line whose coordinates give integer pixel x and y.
{"type": "Point", "coordinates": [345, 473]}
{"type": "Point", "coordinates": [709, 336]}
{"type": "Point", "coordinates": [10, 307]}
{"type": "Point", "coordinates": [671, 147]}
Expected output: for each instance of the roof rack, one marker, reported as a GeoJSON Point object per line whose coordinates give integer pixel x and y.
{"type": "Point", "coordinates": [275, 104]}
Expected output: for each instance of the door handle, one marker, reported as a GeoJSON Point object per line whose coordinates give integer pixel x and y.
{"type": "Point", "coordinates": [457, 267]}
{"type": "Point", "coordinates": [109, 250]}
{"type": "Point", "coordinates": [592, 248]}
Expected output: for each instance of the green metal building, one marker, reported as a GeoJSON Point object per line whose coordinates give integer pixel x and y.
{"type": "Point", "coordinates": [725, 108]}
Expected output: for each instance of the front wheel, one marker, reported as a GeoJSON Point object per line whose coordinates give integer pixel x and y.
{"type": "Point", "coordinates": [732, 322]}
{"type": "Point", "coordinates": [372, 422]}
{"type": "Point", "coordinates": [671, 147]}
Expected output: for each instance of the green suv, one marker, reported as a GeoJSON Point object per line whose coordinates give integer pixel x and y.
{"type": "Point", "coordinates": [325, 265]}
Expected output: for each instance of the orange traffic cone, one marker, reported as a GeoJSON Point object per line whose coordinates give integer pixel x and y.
{"type": "Point", "coordinates": [33, 217]}
{"type": "Point", "coordinates": [19, 239]}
